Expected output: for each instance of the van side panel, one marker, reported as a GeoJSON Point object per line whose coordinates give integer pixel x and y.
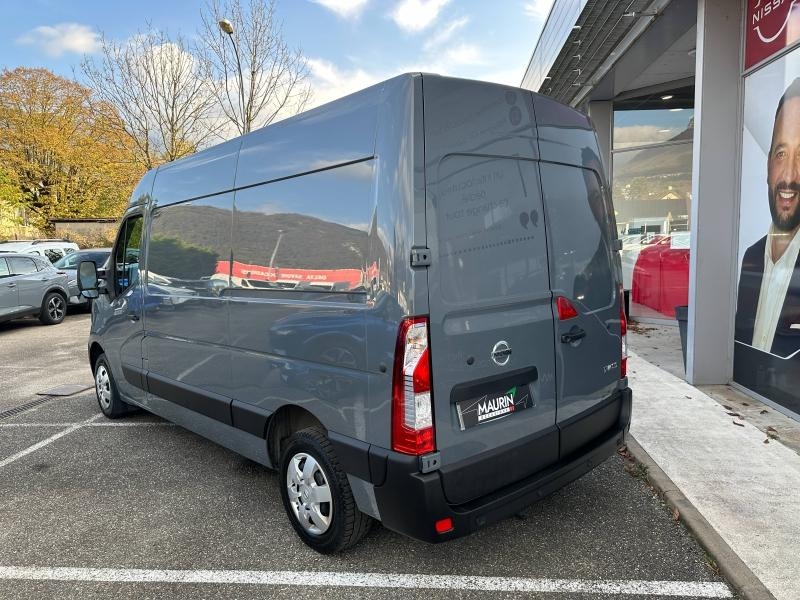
{"type": "Point", "coordinates": [329, 135]}
{"type": "Point", "coordinates": [298, 295]}
{"type": "Point", "coordinates": [208, 172]}
{"type": "Point", "coordinates": [395, 289]}
{"type": "Point", "coordinates": [142, 192]}
{"type": "Point", "coordinates": [186, 316]}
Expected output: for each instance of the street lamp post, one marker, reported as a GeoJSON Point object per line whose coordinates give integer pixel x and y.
{"type": "Point", "coordinates": [227, 27]}
{"type": "Point", "coordinates": [275, 251]}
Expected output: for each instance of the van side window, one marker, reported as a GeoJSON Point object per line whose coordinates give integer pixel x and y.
{"type": "Point", "coordinates": [126, 254]}
{"type": "Point", "coordinates": [4, 272]}
{"type": "Point", "coordinates": [307, 233]}
{"type": "Point", "coordinates": [580, 229]}
{"type": "Point", "coordinates": [190, 247]}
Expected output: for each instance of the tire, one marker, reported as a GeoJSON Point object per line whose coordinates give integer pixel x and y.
{"type": "Point", "coordinates": [330, 526]}
{"type": "Point", "coordinates": [111, 405]}
{"type": "Point", "coordinates": [54, 309]}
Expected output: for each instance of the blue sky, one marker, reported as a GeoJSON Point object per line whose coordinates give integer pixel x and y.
{"type": "Point", "coordinates": [350, 44]}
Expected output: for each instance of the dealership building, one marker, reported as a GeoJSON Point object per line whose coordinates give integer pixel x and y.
{"type": "Point", "coordinates": [684, 95]}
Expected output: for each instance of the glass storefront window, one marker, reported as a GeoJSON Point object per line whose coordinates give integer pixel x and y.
{"type": "Point", "coordinates": [652, 193]}
{"type": "Point", "coordinates": [633, 128]}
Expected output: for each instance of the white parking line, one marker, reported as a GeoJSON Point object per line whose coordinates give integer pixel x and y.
{"type": "Point", "coordinates": [45, 442]}
{"type": "Point", "coordinates": [695, 589]}
{"type": "Point", "coordinates": [85, 424]}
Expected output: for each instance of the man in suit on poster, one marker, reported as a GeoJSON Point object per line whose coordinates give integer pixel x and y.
{"type": "Point", "coordinates": [768, 305]}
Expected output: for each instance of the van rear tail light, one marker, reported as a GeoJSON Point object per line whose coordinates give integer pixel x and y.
{"type": "Point", "coordinates": [623, 333]}
{"type": "Point", "coordinates": [565, 309]}
{"type": "Point", "coordinates": [412, 404]}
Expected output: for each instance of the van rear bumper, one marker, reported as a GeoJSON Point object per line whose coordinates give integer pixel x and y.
{"type": "Point", "coordinates": [410, 502]}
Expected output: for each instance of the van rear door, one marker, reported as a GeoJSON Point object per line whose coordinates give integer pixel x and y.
{"type": "Point", "coordinates": [491, 323]}
{"type": "Point", "coordinates": [585, 272]}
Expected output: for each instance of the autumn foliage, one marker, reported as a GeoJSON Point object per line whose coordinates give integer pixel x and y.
{"type": "Point", "coordinates": [61, 151]}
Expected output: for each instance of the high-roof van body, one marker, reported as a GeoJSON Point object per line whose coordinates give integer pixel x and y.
{"type": "Point", "coordinates": [406, 300]}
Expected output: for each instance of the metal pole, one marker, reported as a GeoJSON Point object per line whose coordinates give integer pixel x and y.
{"type": "Point", "coordinates": [245, 121]}
{"type": "Point", "coordinates": [275, 251]}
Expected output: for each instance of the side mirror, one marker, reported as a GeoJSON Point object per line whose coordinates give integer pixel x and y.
{"type": "Point", "coordinates": [87, 279]}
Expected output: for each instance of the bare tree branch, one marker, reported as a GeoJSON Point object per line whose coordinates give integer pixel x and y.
{"type": "Point", "coordinates": [165, 105]}
{"type": "Point", "coordinates": [275, 77]}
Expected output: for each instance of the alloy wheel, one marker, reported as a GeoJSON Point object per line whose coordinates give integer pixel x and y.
{"type": "Point", "coordinates": [309, 493]}
{"type": "Point", "coordinates": [102, 383]}
{"type": "Point", "coordinates": [55, 308]}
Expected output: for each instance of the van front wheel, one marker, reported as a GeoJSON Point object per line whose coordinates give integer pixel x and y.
{"type": "Point", "coordinates": [105, 388]}
{"type": "Point", "coordinates": [317, 496]}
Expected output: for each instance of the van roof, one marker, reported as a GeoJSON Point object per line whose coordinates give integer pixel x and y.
{"type": "Point", "coordinates": [341, 131]}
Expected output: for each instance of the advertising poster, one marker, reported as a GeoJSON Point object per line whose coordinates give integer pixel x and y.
{"type": "Point", "coordinates": [772, 25]}
{"type": "Point", "coordinates": [767, 328]}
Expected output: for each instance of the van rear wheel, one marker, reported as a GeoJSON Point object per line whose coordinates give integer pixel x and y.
{"type": "Point", "coordinates": [317, 496]}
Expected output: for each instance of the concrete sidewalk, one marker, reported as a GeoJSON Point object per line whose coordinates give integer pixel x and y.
{"type": "Point", "coordinates": [748, 490]}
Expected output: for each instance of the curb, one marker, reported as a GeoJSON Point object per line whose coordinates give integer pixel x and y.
{"type": "Point", "coordinates": [733, 568]}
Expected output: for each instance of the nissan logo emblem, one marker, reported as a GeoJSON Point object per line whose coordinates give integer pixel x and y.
{"type": "Point", "coordinates": [501, 353]}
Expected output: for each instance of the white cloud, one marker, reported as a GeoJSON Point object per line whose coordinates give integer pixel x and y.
{"type": "Point", "coordinates": [512, 76]}
{"type": "Point", "coordinates": [329, 82]}
{"type": "Point", "coordinates": [462, 60]}
{"type": "Point", "coordinates": [537, 9]}
{"type": "Point", "coordinates": [416, 15]}
{"type": "Point", "coordinates": [56, 40]}
{"type": "Point", "coordinates": [464, 55]}
{"type": "Point", "coordinates": [347, 9]}
{"type": "Point", "coordinates": [445, 33]}
{"type": "Point", "coordinates": [449, 54]}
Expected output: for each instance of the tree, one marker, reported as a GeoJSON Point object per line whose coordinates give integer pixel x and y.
{"type": "Point", "coordinates": [165, 106]}
{"type": "Point", "coordinates": [10, 195]}
{"type": "Point", "coordinates": [274, 77]}
{"type": "Point", "coordinates": [10, 202]}
{"type": "Point", "coordinates": [58, 146]}
{"type": "Point", "coordinates": [175, 258]}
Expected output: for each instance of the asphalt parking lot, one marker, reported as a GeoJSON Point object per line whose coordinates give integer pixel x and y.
{"type": "Point", "coordinates": [140, 508]}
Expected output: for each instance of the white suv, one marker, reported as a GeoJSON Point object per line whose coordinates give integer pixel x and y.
{"type": "Point", "coordinates": [51, 249]}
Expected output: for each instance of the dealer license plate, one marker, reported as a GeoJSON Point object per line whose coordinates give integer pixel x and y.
{"type": "Point", "coordinates": [491, 407]}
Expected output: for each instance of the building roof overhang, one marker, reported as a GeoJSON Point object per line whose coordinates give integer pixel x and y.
{"type": "Point", "coordinates": [613, 47]}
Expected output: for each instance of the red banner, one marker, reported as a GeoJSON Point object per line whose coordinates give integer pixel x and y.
{"type": "Point", "coordinates": [352, 277]}
{"type": "Point", "coordinates": [772, 25]}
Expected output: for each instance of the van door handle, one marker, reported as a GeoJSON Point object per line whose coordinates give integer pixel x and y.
{"type": "Point", "coordinates": [12, 285]}
{"type": "Point", "coordinates": [133, 316]}
{"type": "Point", "coordinates": [573, 335]}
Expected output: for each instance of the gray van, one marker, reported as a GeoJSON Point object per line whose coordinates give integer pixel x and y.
{"type": "Point", "coordinates": [406, 301]}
